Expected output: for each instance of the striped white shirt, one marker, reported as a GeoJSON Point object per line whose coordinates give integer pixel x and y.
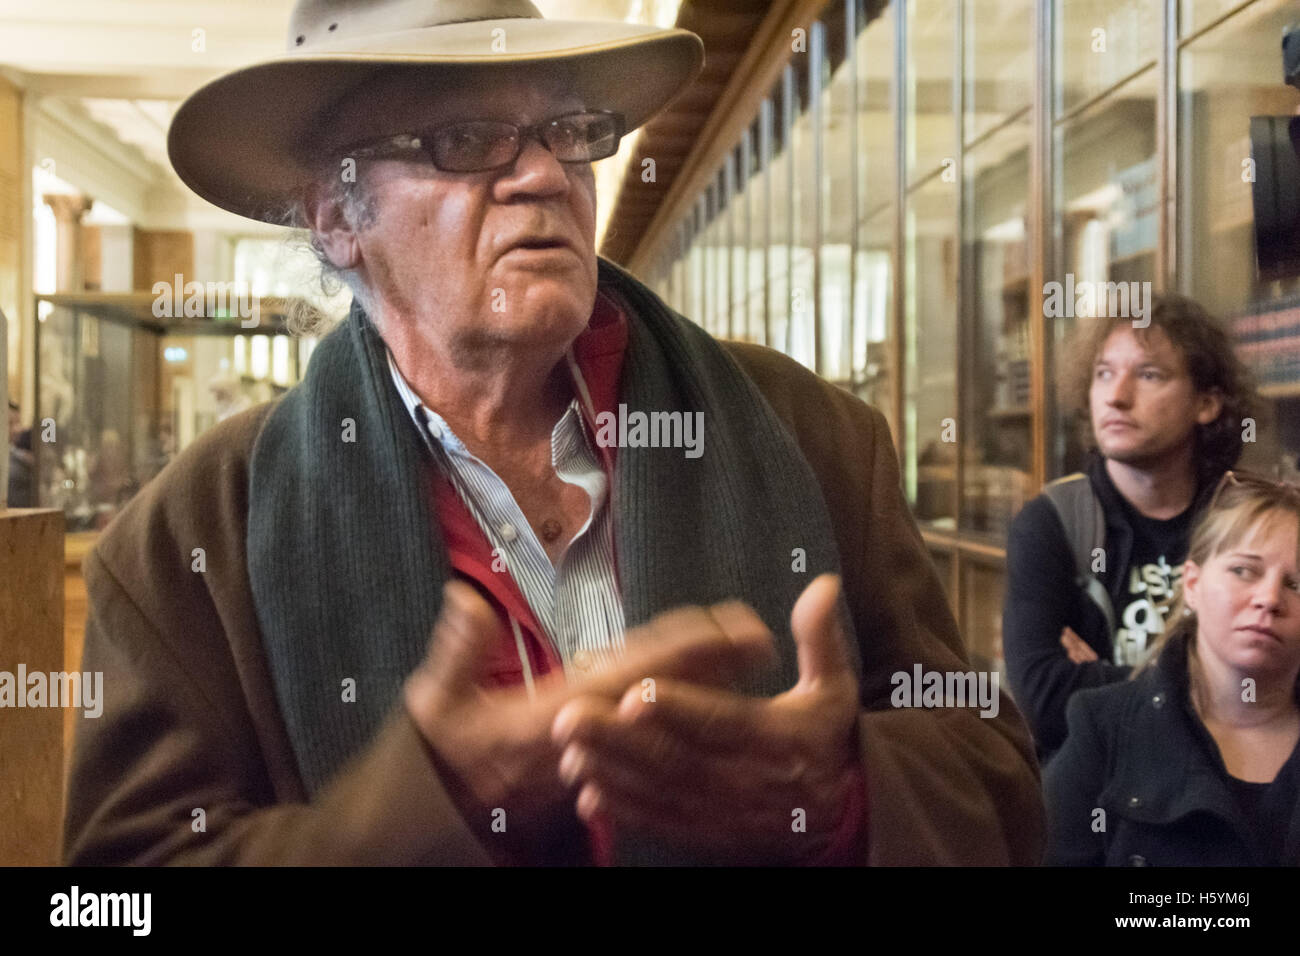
{"type": "Point", "coordinates": [577, 602]}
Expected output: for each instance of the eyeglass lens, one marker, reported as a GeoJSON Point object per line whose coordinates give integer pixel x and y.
{"type": "Point", "coordinates": [484, 144]}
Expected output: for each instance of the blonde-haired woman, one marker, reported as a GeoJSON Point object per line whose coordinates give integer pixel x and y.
{"type": "Point", "coordinates": [1194, 761]}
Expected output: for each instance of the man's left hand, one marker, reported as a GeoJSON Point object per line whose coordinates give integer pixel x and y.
{"type": "Point", "coordinates": [737, 779]}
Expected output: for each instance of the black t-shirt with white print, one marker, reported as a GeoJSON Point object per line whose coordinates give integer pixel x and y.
{"type": "Point", "coordinates": [1155, 567]}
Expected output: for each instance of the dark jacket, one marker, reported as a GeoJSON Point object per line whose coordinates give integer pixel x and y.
{"type": "Point", "coordinates": [1137, 752]}
{"type": "Point", "coordinates": [1042, 599]}
{"type": "Point", "coordinates": [191, 717]}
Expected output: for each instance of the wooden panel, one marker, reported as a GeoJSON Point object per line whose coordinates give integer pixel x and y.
{"type": "Point", "coordinates": [161, 256]}
{"type": "Point", "coordinates": [31, 635]}
{"type": "Point", "coordinates": [74, 613]}
{"type": "Point", "coordinates": [981, 617]}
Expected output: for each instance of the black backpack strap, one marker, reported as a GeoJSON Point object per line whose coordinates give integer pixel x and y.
{"type": "Point", "coordinates": [1084, 520]}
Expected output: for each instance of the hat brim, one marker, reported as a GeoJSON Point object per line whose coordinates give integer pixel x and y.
{"type": "Point", "coordinates": [244, 142]}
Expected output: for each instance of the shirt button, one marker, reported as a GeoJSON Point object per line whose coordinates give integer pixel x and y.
{"type": "Point", "coordinates": [1134, 802]}
{"type": "Point", "coordinates": [582, 661]}
{"type": "Point", "coordinates": [1137, 860]}
{"type": "Point", "coordinates": [1158, 701]}
{"type": "Point", "coordinates": [435, 430]}
{"type": "Point", "coordinates": [508, 532]}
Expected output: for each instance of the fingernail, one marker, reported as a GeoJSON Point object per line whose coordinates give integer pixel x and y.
{"type": "Point", "coordinates": [588, 802]}
{"type": "Point", "coordinates": [571, 765]}
{"type": "Point", "coordinates": [565, 721]}
{"type": "Point", "coordinates": [630, 705]}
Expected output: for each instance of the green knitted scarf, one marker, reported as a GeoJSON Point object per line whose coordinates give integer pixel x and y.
{"type": "Point", "coordinates": [347, 566]}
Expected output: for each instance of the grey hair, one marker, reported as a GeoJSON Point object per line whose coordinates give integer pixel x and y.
{"type": "Point", "coordinates": [360, 209]}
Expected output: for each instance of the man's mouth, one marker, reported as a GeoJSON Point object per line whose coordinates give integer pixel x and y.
{"type": "Point", "coordinates": [540, 243]}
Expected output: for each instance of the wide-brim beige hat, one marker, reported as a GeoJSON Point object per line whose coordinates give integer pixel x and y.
{"type": "Point", "coordinates": [247, 141]}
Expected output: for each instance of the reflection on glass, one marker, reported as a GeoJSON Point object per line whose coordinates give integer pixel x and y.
{"type": "Point", "coordinates": [1099, 42]}
{"type": "Point", "coordinates": [1107, 217]}
{"type": "Point", "coordinates": [1225, 77]}
{"type": "Point", "coordinates": [931, 55]}
{"type": "Point", "coordinates": [999, 62]}
{"type": "Point", "coordinates": [721, 276]}
{"type": "Point", "coordinates": [698, 240]}
{"type": "Point", "coordinates": [876, 167]}
{"type": "Point", "coordinates": [838, 167]}
{"type": "Point", "coordinates": [874, 349]}
{"type": "Point", "coordinates": [739, 244]}
{"type": "Point", "coordinates": [87, 370]}
{"type": "Point", "coordinates": [996, 412]}
{"type": "Point", "coordinates": [930, 382]}
{"type": "Point", "coordinates": [760, 200]}
{"type": "Point", "coordinates": [710, 279]}
{"type": "Point", "coordinates": [803, 221]}
{"type": "Point", "coordinates": [1195, 14]}
{"type": "Point", "coordinates": [127, 398]}
{"type": "Point", "coordinates": [874, 355]}
{"type": "Point", "coordinates": [781, 212]}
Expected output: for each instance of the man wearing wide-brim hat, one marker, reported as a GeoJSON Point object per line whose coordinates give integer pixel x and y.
{"type": "Point", "coordinates": [528, 568]}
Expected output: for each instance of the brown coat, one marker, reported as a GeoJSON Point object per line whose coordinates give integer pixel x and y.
{"type": "Point", "coordinates": [191, 721]}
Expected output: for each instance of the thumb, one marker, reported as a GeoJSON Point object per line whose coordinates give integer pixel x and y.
{"type": "Point", "coordinates": [818, 634]}
{"type": "Point", "coordinates": [463, 639]}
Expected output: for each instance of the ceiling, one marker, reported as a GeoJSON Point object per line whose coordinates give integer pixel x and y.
{"type": "Point", "coordinates": [123, 66]}
{"type": "Point", "coordinates": [119, 69]}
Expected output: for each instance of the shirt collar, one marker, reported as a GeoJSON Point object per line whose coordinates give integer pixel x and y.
{"type": "Point", "coordinates": [595, 362]}
{"type": "Point", "coordinates": [570, 429]}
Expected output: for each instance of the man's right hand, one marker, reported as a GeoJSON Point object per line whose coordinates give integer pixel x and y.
{"type": "Point", "coordinates": [1078, 651]}
{"type": "Point", "coordinates": [496, 746]}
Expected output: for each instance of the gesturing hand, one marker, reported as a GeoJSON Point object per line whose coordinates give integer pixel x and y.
{"type": "Point", "coordinates": [1076, 649]}
{"type": "Point", "coordinates": [732, 777]}
{"type": "Point", "coordinates": [494, 747]}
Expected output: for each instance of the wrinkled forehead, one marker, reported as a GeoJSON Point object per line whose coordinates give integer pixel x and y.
{"type": "Point", "coordinates": [407, 100]}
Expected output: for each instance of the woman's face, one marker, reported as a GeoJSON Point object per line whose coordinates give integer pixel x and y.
{"type": "Point", "coordinates": [1247, 601]}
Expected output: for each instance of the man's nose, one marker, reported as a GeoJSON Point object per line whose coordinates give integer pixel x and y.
{"type": "Point", "coordinates": [536, 170]}
{"type": "Point", "coordinates": [1121, 390]}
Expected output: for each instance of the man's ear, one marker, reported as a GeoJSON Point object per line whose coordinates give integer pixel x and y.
{"type": "Point", "coordinates": [331, 228]}
{"type": "Point", "coordinates": [1209, 406]}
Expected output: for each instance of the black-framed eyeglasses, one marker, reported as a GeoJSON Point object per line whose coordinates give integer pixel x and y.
{"type": "Point", "coordinates": [475, 146]}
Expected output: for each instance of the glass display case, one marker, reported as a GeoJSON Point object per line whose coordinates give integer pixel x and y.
{"type": "Point", "coordinates": [837, 201]}
{"type": "Point", "coordinates": [875, 339]}
{"type": "Point", "coordinates": [1228, 74]}
{"type": "Point", "coordinates": [995, 352]}
{"type": "Point", "coordinates": [931, 167]}
{"type": "Point", "coordinates": [930, 69]}
{"type": "Point", "coordinates": [1106, 219]}
{"type": "Point", "coordinates": [930, 372]}
{"type": "Point", "coordinates": [997, 409]}
{"type": "Point", "coordinates": [120, 392]}
{"type": "Point", "coordinates": [1099, 44]}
